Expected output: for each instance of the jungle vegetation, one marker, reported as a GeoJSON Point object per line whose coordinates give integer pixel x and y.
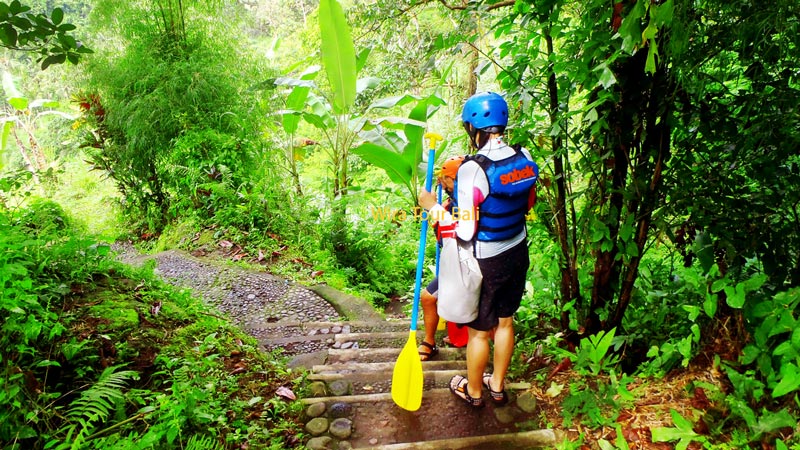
{"type": "Point", "coordinates": [666, 236]}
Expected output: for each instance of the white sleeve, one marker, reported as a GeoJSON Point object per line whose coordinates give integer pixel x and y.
{"type": "Point", "coordinates": [472, 183]}
{"type": "Point", "coordinates": [527, 153]}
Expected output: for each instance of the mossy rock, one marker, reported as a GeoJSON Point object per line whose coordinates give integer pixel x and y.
{"type": "Point", "coordinates": [118, 313]}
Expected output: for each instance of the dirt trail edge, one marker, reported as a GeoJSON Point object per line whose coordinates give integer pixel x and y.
{"type": "Point", "coordinates": [350, 350]}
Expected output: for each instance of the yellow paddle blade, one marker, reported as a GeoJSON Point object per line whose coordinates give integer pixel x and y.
{"type": "Point", "coordinates": [407, 376]}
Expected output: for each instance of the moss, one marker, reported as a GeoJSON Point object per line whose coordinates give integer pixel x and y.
{"type": "Point", "coordinates": [119, 313]}
{"type": "Point", "coordinates": [176, 236]}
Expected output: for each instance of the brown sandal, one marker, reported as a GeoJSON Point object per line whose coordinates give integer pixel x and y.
{"type": "Point", "coordinates": [429, 355]}
{"type": "Point", "coordinates": [458, 386]}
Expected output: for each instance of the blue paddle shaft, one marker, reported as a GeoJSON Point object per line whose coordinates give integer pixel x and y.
{"type": "Point", "coordinates": [423, 234]}
{"type": "Point", "coordinates": [438, 248]}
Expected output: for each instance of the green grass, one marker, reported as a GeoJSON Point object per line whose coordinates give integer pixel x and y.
{"type": "Point", "coordinates": [90, 199]}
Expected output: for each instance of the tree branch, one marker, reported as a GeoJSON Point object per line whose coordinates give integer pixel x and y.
{"type": "Point", "coordinates": [463, 5]}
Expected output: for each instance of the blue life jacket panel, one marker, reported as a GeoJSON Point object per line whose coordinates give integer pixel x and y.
{"type": "Point", "coordinates": [502, 213]}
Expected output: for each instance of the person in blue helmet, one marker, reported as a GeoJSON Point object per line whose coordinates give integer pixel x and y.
{"type": "Point", "coordinates": [498, 183]}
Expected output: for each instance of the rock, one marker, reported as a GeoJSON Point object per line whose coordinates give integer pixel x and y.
{"type": "Point", "coordinates": [527, 402]}
{"type": "Point", "coordinates": [373, 441]}
{"type": "Point", "coordinates": [336, 329]}
{"type": "Point", "coordinates": [317, 426]}
{"type": "Point", "coordinates": [320, 443]}
{"type": "Point", "coordinates": [318, 389]}
{"type": "Point", "coordinates": [316, 410]}
{"type": "Point", "coordinates": [506, 414]}
{"type": "Point", "coordinates": [339, 387]}
{"type": "Point", "coordinates": [347, 345]}
{"type": "Point", "coordinates": [341, 428]}
{"type": "Point", "coordinates": [340, 409]}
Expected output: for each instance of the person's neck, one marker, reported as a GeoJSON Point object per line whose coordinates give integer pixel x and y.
{"type": "Point", "coordinates": [495, 141]}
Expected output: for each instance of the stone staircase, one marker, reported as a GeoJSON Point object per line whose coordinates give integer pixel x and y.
{"type": "Point", "coordinates": [350, 405]}
{"type": "Point", "coordinates": [350, 363]}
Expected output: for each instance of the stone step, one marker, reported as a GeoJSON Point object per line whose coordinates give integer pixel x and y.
{"type": "Point", "coordinates": [354, 325]}
{"type": "Point", "coordinates": [381, 381]}
{"type": "Point", "coordinates": [441, 420]}
{"type": "Point", "coordinates": [516, 388]}
{"type": "Point", "coordinates": [336, 337]}
{"type": "Point", "coordinates": [384, 375]}
{"type": "Point", "coordinates": [521, 440]}
{"type": "Point", "coordinates": [316, 330]}
{"type": "Point", "coordinates": [386, 354]}
{"type": "Point", "coordinates": [348, 368]}
{"type": "Point", "coordinates": [378, 339]}
{"type": "Point", "coordinates": [369, 384]}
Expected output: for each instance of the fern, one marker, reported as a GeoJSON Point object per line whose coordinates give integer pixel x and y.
{"type": "Point", "coordinates": [95, 405]}
{"type": "Point", "coordinates": [197, 442]}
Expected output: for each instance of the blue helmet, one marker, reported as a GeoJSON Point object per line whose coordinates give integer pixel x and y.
{"type": "Point", "coordinates": [485, 109]}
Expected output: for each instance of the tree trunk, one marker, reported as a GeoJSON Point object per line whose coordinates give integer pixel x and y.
{"type": "Point", "coordinates": [472, 82]}
{"type": "Point", "coordinates": [25, 157]}
{"type": "Point", "coordinates": [570, 287]}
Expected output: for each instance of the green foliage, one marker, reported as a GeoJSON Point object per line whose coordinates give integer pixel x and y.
{"type": "Point", "coordinates": [374, 269]}
{"type": "Point", "coordinates": [95, 405]}
{"type": "Point", "coordinates": [396, 146]}
{"type": "Point", "coordinates": [45, 34]}
{"type": "Point", "coordinates": [596, 394]}
{"type": "Point", "coordinates": [597, 402]}
{"type": "Point", "coordinates": [71, 319]}
{"type": "Point", "coordinates": [207, 171]}
{"type": "Point", "coordinates": [45, 218]}
{"type": "Point", "coordinates": [338, 55]}
{"type": "Point", "coordinates": [768, 372]}
{"type": "Point", "coordinates": [683, 432]}
{"type": "Point", "coordinates": [167, 126]}
{"type": "Point", "coordinates": [593, 353]}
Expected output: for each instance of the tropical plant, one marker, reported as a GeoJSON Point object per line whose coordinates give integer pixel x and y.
{"type": "Point", "coordinates": [47, 35]}
{"type": "Point", "coordinates": [20, 122]}
{"type": "Point", "coordinates": [166, 125]}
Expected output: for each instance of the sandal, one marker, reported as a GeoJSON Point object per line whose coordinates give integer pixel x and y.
{"type": "Point", "coordinates": [498, 398]}
{"type": "Point", "coordinates": [458, 386]}
{"type": "Point", "coordinates": [427, 356]}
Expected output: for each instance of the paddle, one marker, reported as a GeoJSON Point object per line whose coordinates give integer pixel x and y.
{"type": "Point", "coordinates": [407, 374]}
{"type": "Point", "coordinates": [442, 323]}
{"type": "Point", "coordinates": [438, 248]}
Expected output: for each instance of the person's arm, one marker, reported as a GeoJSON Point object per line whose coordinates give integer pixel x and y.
{"type": "Point", "coordinates": [532, 193]}
{"type": "Point", "coordinates": [435, 211]}
{"type": "Point", "coordinates": [473, 187]}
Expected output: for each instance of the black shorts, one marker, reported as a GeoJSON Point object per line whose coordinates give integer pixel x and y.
{"type": "Point", "coordinates": [502, 287]}
{"type": "Point", "coordinates": [433, 287]}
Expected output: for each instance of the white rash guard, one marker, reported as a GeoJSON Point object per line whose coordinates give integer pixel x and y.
{"type": "Point", "coordinates": [473, 188]}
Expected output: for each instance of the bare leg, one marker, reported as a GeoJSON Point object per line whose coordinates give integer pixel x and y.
{"type": "Point", "coordinates": [430, 318]}
{"type": "Point", "coordinates": [503, 351]}
{"type": "Point", "coordinates": [477, 358]}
